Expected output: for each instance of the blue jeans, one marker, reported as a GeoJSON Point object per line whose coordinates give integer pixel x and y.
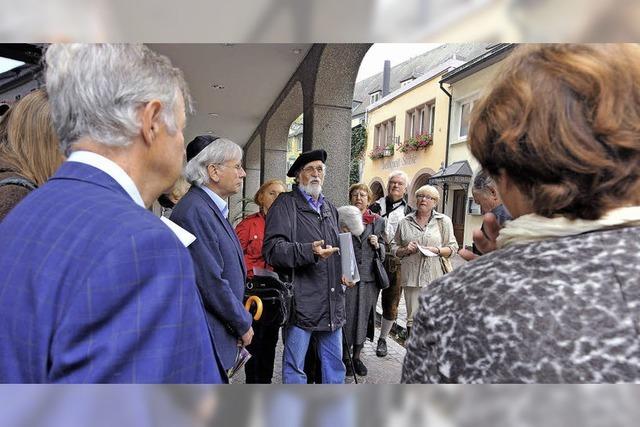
{"type": "Point", "coordinates": [296, 343]}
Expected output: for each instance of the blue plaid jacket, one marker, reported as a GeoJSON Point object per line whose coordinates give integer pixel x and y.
{"type": "Point", "coordinates": [94, 288]}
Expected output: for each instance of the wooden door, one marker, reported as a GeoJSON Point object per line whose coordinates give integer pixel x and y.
{"type": "Point", "coordinates": [459, 205]}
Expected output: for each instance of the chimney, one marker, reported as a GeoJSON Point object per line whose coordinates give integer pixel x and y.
{"type": "Point", "coordinates": [386, 76]}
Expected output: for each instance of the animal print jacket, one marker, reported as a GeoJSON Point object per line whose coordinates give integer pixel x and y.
{"type": "Point", "coordinates": [565, 310]}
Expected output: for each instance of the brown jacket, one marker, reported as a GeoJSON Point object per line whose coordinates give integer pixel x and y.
{"type": "Point", "coordinates": [10, 195]}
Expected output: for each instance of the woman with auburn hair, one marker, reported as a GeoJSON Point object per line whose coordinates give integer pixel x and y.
{"type": "Point", "coordinates": [29, 149]}
{"type": "Point", "coordinates": [250, 231]}
{"type": "Point", "coordinates": [557, 302]}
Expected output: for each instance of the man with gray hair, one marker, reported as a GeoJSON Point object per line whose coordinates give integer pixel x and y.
{"type": "Point", "coordinates": [301, 243]}
{"type": "Point", "coordinates": [393, 208]}
{"type": "Point", "coordinates": [214, 170]}
{"type": "Point", "coordinates": [95, 287]}
{"type": "Point", "coordinates": [485, 193]}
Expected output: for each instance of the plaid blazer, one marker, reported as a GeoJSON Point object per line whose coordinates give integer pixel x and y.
{"type": "Point", "coordinates": [96, 289]}
{"type": "Point", "coordinates": [220, 271]}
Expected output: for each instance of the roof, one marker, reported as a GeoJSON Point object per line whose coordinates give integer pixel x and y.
{"type": "Point", "coordinates": [458, 172]}
{"type": "Point", "coordinates": [414, 67]}
{"type": "Point", "coordinates": [495, 54]}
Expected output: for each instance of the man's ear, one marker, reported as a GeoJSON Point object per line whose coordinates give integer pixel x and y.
{"type": "Point", "coordinates": [151, 120]}
{"type": "Point", "coordinates": [213, 173]}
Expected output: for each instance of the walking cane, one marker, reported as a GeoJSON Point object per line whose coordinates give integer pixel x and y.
{"type": "Point", "coordinates": [353, 369]}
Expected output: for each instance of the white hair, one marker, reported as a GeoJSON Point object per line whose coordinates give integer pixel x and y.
{"type": "Point", "coordinates": [399, 173]}
{"type": "Point", "coordinates": [218, 152]}
{"type": "Point", "coordinates": [350, 217]}
{"type": "Point", "coordinates": [96, 90]}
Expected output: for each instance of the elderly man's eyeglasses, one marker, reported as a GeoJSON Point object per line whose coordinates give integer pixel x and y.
{"type": "Point", "coordinates": [237, 167]}
{"type": "Point", "coordinates": [397, 183]}
{"type": "Point", "coordinates": [424, 196]}
{"type": "Point", "coordinates": [311, 169]}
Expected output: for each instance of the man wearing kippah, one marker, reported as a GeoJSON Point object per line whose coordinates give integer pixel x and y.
{"type": "Point", "coordinates": [214, 170]}
{"type": "Point", "coordinates": [308, 256]}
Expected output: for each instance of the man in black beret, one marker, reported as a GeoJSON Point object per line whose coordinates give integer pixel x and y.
{"type": "Point", "coordinates": [301, 243]}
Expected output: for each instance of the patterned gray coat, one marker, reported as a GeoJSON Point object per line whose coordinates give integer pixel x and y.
{"type": "Point", "coordinates": [565, 310]}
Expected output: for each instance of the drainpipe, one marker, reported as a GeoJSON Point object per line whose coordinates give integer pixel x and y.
{"type": "Point", "coordinates": [446, 154]}
{"type": "Point", "coordinates": [445, 189]}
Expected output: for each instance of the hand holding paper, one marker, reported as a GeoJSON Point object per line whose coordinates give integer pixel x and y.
{"type": "Point", "coordinates": [426, 252]}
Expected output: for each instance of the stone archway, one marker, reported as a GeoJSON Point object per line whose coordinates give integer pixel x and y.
{"type": "Point", "coordinates": [274, 154]}
{"type": "Point", "coordinates": [419, 179]}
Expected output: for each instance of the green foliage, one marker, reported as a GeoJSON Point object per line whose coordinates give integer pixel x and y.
{"type": "Point", "coordinates": [358, 144]}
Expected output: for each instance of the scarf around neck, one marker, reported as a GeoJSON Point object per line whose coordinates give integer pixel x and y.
{"type": "Point", "coordinates": [532, 227]}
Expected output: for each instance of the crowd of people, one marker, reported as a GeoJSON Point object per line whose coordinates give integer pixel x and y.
{"type": "Point", "coordinates": [96, 288]}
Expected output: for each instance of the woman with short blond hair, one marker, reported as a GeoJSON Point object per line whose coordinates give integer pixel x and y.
{"type": "Point", "coordinates": [422, 238]}
{"type": "Point", "coordinates": [250, 231]}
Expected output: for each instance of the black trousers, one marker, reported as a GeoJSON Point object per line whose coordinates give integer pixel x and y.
{"type": "Point", "coordinates": [259, 369]}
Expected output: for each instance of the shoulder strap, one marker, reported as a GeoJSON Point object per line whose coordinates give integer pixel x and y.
{"type": "Point", "coordinates": [294, 230]}
{"type": "Point", "coordinates": [20, 182]}
{"type": "Point", "coordinates": [440, 226]}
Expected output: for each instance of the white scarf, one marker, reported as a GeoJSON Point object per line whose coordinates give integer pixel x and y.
{"type": "Point", "coordinates": [532, 227]}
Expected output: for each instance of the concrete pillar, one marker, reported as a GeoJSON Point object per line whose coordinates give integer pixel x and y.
{"type": "Point", "coordinates": [252, 168]}
{"type": "Point", "coordinates": [330, 113]}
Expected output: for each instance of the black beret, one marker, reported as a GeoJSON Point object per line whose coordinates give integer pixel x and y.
{"type": "Point", "coordinates": [304, 158]}
{"type": "Point", "coordinates": [198, 144]}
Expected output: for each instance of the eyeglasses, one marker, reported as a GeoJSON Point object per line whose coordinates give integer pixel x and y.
{"type": "Point", "coordinates": [359, 196]}
{"type": "Point", "coordinates": [310, 169]}
{"type": "Point", "coordinates": [398, 183]}
{"type": "Point", "coordinates": [237, 167]}
{"type": "Point", "coordinates": [424, 196]}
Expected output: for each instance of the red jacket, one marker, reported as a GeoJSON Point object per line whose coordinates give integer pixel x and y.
{"type": "Point", "coordinates": [250, 232]}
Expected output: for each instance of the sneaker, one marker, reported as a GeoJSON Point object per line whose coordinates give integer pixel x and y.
{"type": "Point", "coordinates": [381, 351]}
{"type": "Point", "coordinates": [349, 372]}
{"type": "Point", "coordinates": [360, 368]}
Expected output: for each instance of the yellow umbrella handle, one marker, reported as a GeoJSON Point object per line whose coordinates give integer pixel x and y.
{"type": "Point", "coordinates": [258, 301]}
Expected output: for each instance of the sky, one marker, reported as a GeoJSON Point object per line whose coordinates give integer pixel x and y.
{"type": "Point", "coordinates": [397, 53]}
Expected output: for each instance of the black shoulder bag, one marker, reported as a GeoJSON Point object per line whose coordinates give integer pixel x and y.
{"type": "Point", "coordinates": [276, 295]}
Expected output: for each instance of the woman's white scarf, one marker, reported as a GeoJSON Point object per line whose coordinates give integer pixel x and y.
{"type": "Point", "coordinates": [532, 227]}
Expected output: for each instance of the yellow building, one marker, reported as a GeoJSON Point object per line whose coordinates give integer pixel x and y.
{"type": "Point", "coordinates": [407, 129]}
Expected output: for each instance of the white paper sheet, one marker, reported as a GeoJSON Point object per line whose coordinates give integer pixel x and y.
{"type": "Point", "coordinates": [184, 236]}
{"type": "Point", "coordinates": [349, 263]}
{"type": "Point", "coordinates": [425, 251]}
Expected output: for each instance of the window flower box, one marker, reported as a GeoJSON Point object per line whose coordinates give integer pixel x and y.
{"type": "Point", "coordinates": [418, 142]}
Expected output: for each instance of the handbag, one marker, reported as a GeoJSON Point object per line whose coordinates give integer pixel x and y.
{"type": "Point", "coordinates": [445, 263]}
{"type": "Point", "coordinates": [276, 297]}
{"type": "Point", "coordinates": [382, 279]}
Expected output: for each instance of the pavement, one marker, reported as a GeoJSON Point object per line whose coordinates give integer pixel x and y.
{"type": "Point", "coordinates": [382, 370]}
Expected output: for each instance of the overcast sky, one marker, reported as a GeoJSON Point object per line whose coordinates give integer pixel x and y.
{"type": "Point", "coordinates": [397, 53]}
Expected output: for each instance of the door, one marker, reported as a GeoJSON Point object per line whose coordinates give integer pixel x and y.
{"type": "Point", "coordinates": [459, 201]}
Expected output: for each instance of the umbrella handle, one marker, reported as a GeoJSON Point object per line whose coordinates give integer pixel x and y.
{"type": "Point", "coordinates": [258, 302]}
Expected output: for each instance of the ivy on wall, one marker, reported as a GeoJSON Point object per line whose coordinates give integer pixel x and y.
{"type": "Point", "coordinates": [358, 144]}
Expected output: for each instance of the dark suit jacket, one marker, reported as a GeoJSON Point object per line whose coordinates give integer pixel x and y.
{"type": "Point", "coordinates": [220, 272]}
{"type": "Point", "coordinates": [95, 288]}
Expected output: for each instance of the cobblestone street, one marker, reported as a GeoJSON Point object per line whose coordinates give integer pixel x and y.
{"type": "Point", "coordinates": [382, 370]}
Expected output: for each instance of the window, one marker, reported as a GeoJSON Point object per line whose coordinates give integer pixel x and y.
{"type": "Point", "coordinates": [406, 82]}
{"type": "Point", "coordinates": [374, 97]}
{"type": "Point", "coordinates": [419, 120]}
{"type": "Point", "coordinates": [385, 133]}
{"type": "Point", "coordinates": [465, 112]}
{"type": "Point", "coordinates": [432, 116]}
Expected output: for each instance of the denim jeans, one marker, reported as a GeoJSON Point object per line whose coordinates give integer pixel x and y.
{"type": "Point", "coordinates": [296, 342]}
